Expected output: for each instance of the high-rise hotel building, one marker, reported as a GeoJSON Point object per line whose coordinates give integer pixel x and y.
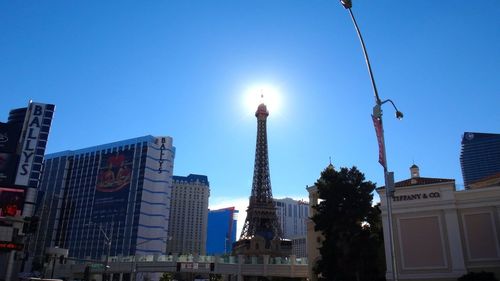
{"type": "Point", "coordinates": [292, 216]}
{"type": "Point", "coordinates": [221, 230]}
{"type": "Point", "coordinates": [189, 215]}
{"type": "Point", "coordinates": [480, 156]}
{"type": "Point", "coordinates": [118, 192]}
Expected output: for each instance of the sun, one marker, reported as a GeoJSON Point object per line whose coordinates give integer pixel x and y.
{"type": "Point", "coordinates": [267, 94]}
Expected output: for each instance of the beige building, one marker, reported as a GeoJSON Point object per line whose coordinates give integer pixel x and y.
{"type": "Point", "coordinates": [188, 215]}
{"type": "Point", "coordinates": [441, 233]}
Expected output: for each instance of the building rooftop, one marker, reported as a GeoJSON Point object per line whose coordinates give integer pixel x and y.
{"type": "Point", "coordinates": [191, 178]}
{"type": "Point", "coordinates": [421, 181]}
{"type": "Point", "coordinates": [110, 145]}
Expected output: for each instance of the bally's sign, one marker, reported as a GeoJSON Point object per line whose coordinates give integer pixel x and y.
{"type": "Point", "coordinates": [32, 133]}
{"type": "Point", "coordinates": [162, 153]}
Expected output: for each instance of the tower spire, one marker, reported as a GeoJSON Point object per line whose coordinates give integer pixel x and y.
{"type": "Point", "coordinates": [261, 232]}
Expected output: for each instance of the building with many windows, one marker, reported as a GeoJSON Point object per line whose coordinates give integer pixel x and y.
{"type": "Point", "coordinates": [221, 230]}
{"type": "Point", "coordinates": [23, 139]}
{"type": "Point", "coordinates": [292, 216]}
{"type": "Point", "coordinates": [480, 156]}
{"type": "Point", "coordinates": [189, 215]}
{"type": "Point", "coordinates": [117, 193]}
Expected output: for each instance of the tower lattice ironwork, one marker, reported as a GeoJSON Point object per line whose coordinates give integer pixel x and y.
{"type": "Point", "coordinates": [261, 217]}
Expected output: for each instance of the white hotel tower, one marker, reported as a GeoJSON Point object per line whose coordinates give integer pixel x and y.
{"type": "Point", "coordinates": [122, 189]}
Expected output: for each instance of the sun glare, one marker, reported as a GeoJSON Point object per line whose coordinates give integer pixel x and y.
{"type": "Point", "coordinates": [266, 94]}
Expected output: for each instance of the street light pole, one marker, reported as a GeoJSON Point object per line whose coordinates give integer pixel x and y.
{"type": "Point", "coordinates": [108, 243]}
{"type": "Point", "coordinates": [377, 119]}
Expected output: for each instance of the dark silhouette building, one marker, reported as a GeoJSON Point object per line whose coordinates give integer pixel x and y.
{"type": "Point", "coordinates": [480, 156]}
{"type": "Point", "coordinates": [23, 139]}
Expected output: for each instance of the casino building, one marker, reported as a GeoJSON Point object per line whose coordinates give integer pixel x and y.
{"type": "Point", "coordinates": [189, 215]}
{"type": "Point", "coordinates": [292, 216]}
{"type": "Point", "coordinates": [23, 139]}
{"type": "Point", "coordinates": [480, 156]}
{"type": "Point", "coordinates": [117, 193]}
{"type": "Point", "coordinates": [441, 233]}
{"type": "Point", "coordinates": [22, 146]}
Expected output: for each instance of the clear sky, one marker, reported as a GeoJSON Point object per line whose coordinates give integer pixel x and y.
{"type": "Point", "coordinates": [122, 69]}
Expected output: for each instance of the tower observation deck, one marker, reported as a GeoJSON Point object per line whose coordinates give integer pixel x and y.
{"type": "Point", "coordinates": [261, 233]}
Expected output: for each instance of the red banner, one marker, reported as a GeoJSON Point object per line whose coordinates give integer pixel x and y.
{"type": "Point", "coordinates": [377, 122]}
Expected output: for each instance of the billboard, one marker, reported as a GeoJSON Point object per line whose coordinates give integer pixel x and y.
{"type": "Point", "coordinates": [8, 165]}
{"type": "Point", "coordinates": [113, 186]}
{"type": "Point", "coordinates": [9, 137]}
{"type": "Point", "coordinates": [11, 202]}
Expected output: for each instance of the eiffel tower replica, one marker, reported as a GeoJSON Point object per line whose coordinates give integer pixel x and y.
{"type": "Point", "coordinates": [261, 233]}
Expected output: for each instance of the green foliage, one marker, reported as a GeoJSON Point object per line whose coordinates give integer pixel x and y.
{"type": "Point", "coordinates": [481, 276]}
{"type": "Point", "coordinates": [352, 248]}
{"type": "Point", "coordinates": [166, 276]}
{"type": "Point", "coordinates": [215, 277]}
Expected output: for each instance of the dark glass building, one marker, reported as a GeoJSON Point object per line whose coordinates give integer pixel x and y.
{"type": "Point", "coordinates": [23, 139]}
{"type": "Point", "coordinates": [119, 190]}
{"type": "Point", "coordinates": [221, 231]}
{"type": "Point", "coordinates": [480, 156]}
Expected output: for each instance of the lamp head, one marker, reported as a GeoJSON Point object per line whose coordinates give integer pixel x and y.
{"type": "Point", "coordinates": [346, 3]}
{"type": "Point", "coordinates": [399, 114]}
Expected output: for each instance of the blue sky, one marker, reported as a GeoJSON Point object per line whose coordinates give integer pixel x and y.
{"type": "Point", "coordinates": [121, 69]}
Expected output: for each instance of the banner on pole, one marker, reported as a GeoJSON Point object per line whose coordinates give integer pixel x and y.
{"type": "Point", "coordinates": [377, 123]}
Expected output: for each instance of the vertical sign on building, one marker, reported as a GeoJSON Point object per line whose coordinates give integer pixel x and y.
{"type": "Point", "coordinates": [162, 153]}
{"type": "Point", "coordinates": [31, 135]}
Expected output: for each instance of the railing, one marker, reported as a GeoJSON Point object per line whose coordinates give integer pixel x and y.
{"type": "Point", "coordinates": [232, 265]}
{"type": "Point", "coordinates": [225, 259]}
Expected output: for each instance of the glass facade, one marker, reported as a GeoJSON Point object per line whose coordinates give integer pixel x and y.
{"type": "Point", "coordinates": [480, 156]}
{"type": "Point", "coordinates": [118, 191]}
{"type": "Point", "coordinates": [221, 231]}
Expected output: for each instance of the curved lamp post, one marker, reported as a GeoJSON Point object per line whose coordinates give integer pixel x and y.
{"type": "Point", "coordinates": [108, 241]}
{"type": "Point", "coordinates": [377, 121]}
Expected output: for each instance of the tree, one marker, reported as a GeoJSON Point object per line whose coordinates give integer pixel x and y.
{"type": "Point", "coordinates": [352, 248]}
{"type": "Point", "coordinates": [166, 276]}
{"type": "Point", "coordinates": [215, 277]}
{"type": "Point", "coordinates": [478, 276]}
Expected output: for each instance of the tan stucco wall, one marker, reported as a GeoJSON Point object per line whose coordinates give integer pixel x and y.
{"type": "Point", "coordinates": [440, 233]}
